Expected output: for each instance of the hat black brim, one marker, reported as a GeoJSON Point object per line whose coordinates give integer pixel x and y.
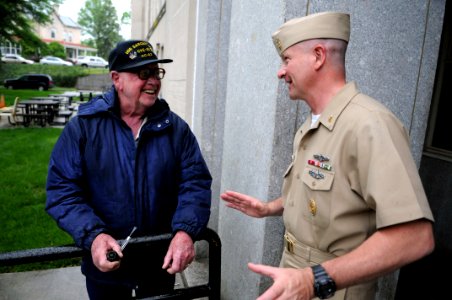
{"type": "Point", "coordinates": [143, 63]}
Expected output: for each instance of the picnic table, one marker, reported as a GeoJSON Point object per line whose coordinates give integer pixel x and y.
{"type": "Point", "coordinates": [40, 111]}
{"type": "Point", "coordinates": [82, 94]}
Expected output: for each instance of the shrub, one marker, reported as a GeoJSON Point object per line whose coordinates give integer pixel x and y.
{"type": "Point", "coordinates": [64, 76]}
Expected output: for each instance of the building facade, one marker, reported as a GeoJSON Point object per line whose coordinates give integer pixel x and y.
{"type": "Point", "coordinates": [67, 33]}
{"type": "Point", "coordinates": [223, 82]}
{"type": "Point", "coordinates": [170, 27]}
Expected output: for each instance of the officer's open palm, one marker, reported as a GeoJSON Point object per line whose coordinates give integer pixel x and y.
{"type": "Point", "coordinates": [288, 283]}
{"type": "Point", "coordinates": [246, 204]}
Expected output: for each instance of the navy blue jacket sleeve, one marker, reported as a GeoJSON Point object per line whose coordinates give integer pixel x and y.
{"type": "Point", "coordinates": [66, 199]}
{"type": "Point", "coordinates": [194, 199]}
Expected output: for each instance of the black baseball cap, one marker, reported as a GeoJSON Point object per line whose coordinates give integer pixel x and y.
{"type": "Point", "coordinates": [132, 54]}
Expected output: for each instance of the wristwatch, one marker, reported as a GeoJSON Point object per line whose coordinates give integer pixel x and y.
{"type": "Point", "coordinates": [324, 285]}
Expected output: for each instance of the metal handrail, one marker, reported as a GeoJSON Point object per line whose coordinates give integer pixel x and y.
{"type": "Point", "coordinates": [211, 289]}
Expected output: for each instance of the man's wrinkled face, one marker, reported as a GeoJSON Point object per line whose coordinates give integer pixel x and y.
{"type": "Point", "coordinates": [142, 85]}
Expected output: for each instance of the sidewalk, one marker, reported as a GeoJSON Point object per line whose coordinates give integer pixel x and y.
{"type": "Point", "coordinates": [69, 283]}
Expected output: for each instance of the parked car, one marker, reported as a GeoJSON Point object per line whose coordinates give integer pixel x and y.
{"type": "Point", "coordinates": [91, 61]}
{"type": "Point", "coordinates": [15, 59]}
{"type": "Point", "coordinates": [52, 60]}
{"type": "Point", "coordinates": [30, 81]}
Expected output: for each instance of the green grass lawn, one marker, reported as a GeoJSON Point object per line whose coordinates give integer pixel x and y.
{"type": "Point", "coordinates": [25, 154]}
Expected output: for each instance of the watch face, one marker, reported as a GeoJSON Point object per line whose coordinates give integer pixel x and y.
{"type": "Point", "coordinates": [326, 289]}
{"type": "Point", "coordinates": [324, 286]}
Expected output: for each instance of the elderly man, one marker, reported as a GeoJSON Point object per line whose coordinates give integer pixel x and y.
{"type": "Point", "coordinates": [125, 161]}
{"type": "Point", "coordinates": [352, 202]}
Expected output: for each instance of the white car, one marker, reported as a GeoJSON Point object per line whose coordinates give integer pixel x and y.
{"type": "Point", "coordinates": [15, 59]}
{"type": "Point", "coordinates": [52, 60]}
{"type": "Point", "coordinates": [91, 61]}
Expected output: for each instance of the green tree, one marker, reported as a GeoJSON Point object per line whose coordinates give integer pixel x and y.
{"type": "Point", "coordinates": [32, 51]}
{"type": "Point", "coordinates": [98, 18]}
{"type": "Point", "coordinates": [89, 42]}
{"type": "Point", "coordinates": [126, 18]}
{"type": "Point", "coordinates": [54, 49]}
{"type": "Point", "coordinates": [17, 18]}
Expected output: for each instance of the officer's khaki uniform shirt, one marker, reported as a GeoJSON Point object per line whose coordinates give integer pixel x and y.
{"type": "Point", "coordinates": [370, 180]}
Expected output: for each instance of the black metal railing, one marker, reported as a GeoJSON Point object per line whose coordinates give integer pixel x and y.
{"type": "Point", "coordinates": [211, 289]}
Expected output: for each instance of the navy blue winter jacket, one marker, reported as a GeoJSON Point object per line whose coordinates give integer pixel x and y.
{"type": "Point", "coordinates": [101, 180]}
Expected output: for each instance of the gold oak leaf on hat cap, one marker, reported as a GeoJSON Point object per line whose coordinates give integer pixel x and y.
{"type": "Point", "coordinates": [324, 25]}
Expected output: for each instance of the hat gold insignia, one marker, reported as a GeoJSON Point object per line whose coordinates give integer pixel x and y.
{"type": "Point", "coordinates": [278, 44]}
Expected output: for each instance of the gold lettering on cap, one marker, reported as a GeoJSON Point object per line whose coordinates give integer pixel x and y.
{"type": "Point", "coordinates": [139, 44]}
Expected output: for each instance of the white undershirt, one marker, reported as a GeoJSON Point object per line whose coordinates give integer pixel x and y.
{"type": "Point", "coordinates": [139, 129]}
{"type": "Point", "coordinates": [314, 119]}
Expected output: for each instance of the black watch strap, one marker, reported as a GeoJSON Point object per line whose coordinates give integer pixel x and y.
{"type": "Point", "coordinates": [324, 285]}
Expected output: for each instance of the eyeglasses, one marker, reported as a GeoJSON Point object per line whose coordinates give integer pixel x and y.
{"type": "Point", "coordinates": [145, 74]}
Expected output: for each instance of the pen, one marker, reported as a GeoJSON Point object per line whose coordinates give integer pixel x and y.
{"type": "Point", "coordinates": [113, 255]}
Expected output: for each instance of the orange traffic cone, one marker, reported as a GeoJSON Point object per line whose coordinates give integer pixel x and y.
{"type": "Point", "coordinates": [2, 101]}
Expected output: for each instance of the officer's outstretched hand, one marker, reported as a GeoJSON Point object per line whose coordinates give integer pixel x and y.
{"type": "Point", "coordinates": [101, 245]}
{"type": "Point", "coordinates": [246, 204]}
{"type": "Point", "coordinates": [288, 283]}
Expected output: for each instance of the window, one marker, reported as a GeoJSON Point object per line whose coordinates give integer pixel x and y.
{"type": "Point", "coordinates": [438, 139]}
{"type": "Point", "coordinates": [53, 33]}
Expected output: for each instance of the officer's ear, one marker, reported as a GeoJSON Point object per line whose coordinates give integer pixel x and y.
{"type": "Point", "coordinates": [319, 51]}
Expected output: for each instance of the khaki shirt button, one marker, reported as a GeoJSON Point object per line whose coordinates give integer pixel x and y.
{"type": "Point", "coordinates": [313, 183]}
{"type": "Point", "coordinates": [298, 176]}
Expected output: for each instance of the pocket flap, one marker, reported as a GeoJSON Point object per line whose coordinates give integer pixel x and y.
{"type": "Point", "coordinates": [317, 179]}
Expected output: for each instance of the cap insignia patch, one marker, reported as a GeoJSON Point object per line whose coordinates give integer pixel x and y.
{"type": "Point", "coordinates": [133, 55]}
{"type": "Point", "coordinates": [278, 44]}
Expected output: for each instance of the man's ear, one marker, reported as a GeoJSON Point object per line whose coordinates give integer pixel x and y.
{"type": "Point", "coordinates": [320, 56]}
{"type": "Point", "coordinates": [114, 76]}
{"type": "Point", "coordinates": [115, 79]}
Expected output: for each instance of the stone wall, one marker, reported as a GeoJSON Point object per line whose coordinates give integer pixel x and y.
{"type": "Point", "coordinates": [94, 82]}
